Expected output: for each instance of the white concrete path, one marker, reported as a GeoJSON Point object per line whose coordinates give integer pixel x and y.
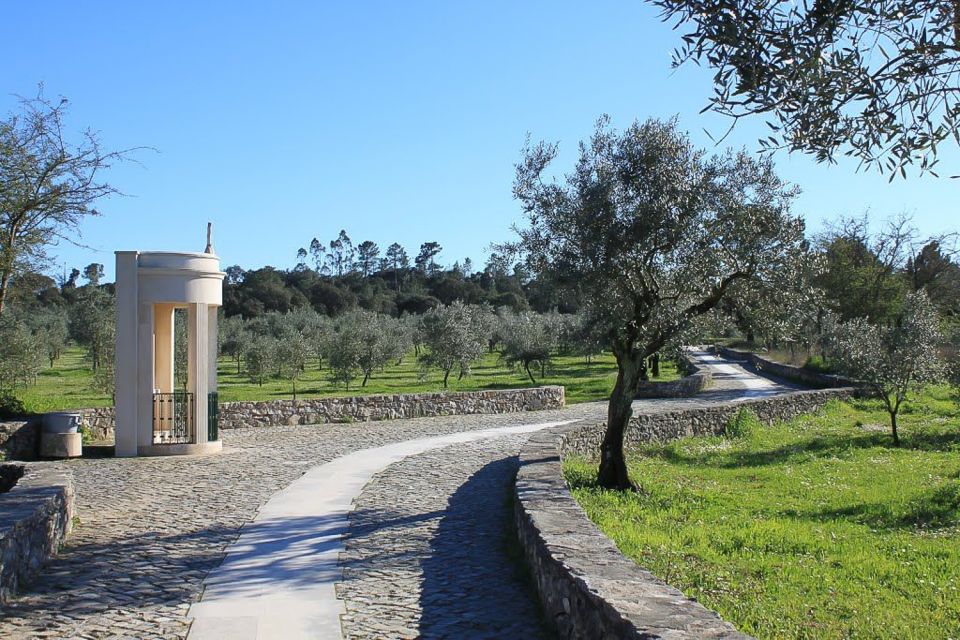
{"type": "Point", "coordinates": [277, 580]}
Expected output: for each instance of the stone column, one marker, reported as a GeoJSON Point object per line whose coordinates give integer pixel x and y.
{"type": "Point", "coordinates": [199, 358]}
{"type": "Point", "coordinates": [125, 358]}
{"type": "Point", "coordinates": [164, 347]}
{"type": "Point", "coordinates": [145, 382]}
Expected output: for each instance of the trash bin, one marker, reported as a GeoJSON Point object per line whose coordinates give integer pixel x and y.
{"type": "Point", "coordinates": [62, 422]}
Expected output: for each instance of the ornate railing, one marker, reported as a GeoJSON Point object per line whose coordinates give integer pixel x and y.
{"type": "Point", "coordinates": [213, 416]}
{"type": "Point", "coordinates": [173, 418]}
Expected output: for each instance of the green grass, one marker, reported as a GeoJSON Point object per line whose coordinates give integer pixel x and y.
{"type": "Point", "coordinates": [818, 528]}
{"type": "Point", "coordinates": [68, 385]}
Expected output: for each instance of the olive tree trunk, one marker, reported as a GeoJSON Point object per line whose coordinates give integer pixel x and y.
{"type": "Point", "coordinates": [613, 464]}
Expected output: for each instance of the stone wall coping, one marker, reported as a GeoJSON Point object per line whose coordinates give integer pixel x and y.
{"type": "Point", "coordinates": [35, 517]}
{"type": "Point", "coordinates": [588, 589]}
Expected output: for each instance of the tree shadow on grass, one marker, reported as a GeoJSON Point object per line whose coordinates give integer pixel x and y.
{"type": "Point", "coordinates": [809, 449]}
{"type": "Point", "coordinates": [936, 508]}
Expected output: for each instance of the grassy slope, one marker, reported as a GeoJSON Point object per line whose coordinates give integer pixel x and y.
{"type": "Point", "coordinates": [818, 528]}
{"type": "Point", "coordinates": [68, 384]}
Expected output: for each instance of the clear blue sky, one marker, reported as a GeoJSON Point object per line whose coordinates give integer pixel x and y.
{"type": "Point", "coordinates": [398, 121]}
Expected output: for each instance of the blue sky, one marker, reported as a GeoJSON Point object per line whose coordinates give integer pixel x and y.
{"type": "Point", "coordinates": [283, 121]}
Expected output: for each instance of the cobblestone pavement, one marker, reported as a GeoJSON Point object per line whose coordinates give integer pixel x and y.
{"type": "Point", "coordinates": [430, 550]}
{"type": "Point", "coordinates": [149, 530]}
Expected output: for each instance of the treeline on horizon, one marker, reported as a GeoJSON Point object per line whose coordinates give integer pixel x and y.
{"type": "Point", "coordinates": [863, 274]}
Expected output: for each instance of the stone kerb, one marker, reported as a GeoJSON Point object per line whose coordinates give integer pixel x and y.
{"type": "Point", "coordinates": [35, 517]}
{"type": "Point", "coordinates": [696, 380]}
{"type": "Point", "coordinates": [802, 375]}
{"type": "Point", "coordinates": [587, 588]}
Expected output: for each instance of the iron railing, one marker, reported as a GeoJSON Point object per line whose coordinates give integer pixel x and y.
{"type": "Point", "coordinates": [173, 418]}
{"type": "Point", "coordinates": [213, 416]}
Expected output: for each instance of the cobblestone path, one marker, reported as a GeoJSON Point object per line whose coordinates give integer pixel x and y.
{"type": "Point", "coordinates": [149, 530]}
{"type": "Point", "coordinates": [430, 552]}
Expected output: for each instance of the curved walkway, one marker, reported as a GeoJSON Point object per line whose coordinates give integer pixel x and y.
{"type": "Point", "coordinates": [151, 530]}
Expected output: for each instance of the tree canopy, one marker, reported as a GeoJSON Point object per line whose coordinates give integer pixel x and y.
{"type": "Point", "coordinates": [48, 184]}
{"type": "Point", "coordinates": [878, 80]}
{"type": "Point", "coordinates": [649, 234]}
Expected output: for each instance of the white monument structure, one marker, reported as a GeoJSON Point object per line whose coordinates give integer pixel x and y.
{"type": "Point", "coordinates": [152, 416]}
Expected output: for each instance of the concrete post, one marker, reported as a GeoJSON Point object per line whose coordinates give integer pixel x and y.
{"type": "Point", "coordinates": [199, 359]}
{"type": "Point", "coordinates": [164, 347]}
{"type": "Point", "coordinates": [125, 357]}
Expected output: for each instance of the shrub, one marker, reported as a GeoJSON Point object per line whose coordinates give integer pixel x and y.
{"type": "Point", "coordinates": [818, 364]}
{"type": "Point", "coordinates": [11, 406]}
{"type": "Point", "coordinates": [743, 425]}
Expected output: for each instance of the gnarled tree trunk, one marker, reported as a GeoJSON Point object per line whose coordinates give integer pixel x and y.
{"type": "Point", "coordinates": [613, 464]}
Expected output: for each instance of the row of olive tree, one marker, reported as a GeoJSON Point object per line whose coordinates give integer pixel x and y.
{"type": "Point", "coordinates": [357, 345]}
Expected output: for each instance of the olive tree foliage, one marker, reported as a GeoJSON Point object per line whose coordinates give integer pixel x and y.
{"type": "Point", "coordinates": [48, 184]}
{"type": "Point", "coordinates": [893, 361]}
{"type": "Point", "coordinates": [51, 328]}
{"type": "Point", "coordinates": [878, 80]}
{"type": "Point", "coordinates": [21, 355]}
{"type": "Point", "coordinates": [528, 339]}
{"type": "Point", "coordinates": [382, 340]}
{"type": "Point", "coordinates": [234, 339]}
{"type": "Point", "coordinates": [454, 336]}
{"type": "Point", "coordinates": [92, 324]}
{"type": "Point", "coordinates": [649, 234]}
{"type": "Point", "coordinates": [259, 358]}
{"type": "Point", "coordinates": [292, 349]}
{"type": "Point", "coordinates": [343, 349]}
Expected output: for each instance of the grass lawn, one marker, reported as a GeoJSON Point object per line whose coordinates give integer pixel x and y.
{"type": "Point", "coordinates": [817, 528]}
{"type": "Point", "coordinates": [68, 385]}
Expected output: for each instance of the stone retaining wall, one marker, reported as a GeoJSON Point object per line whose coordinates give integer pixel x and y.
{"type": "Point", "coordinates": [387, 407]}
{"type": "Point", "coordinates": [709, 420]}
{"type": "Point", "coordinates": [807, 377]}
{"type": "Point", "coordinates": [18, 439]}
{"type": "Point", "coordinates": [588, 589]}
{"type": "Point", "coordinates": [35, 517]}
{"type": "Point", "coordinates": [695, 380]}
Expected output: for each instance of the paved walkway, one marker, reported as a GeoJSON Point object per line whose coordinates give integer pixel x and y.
{"type": "Point", "coordinates": [428, 551]}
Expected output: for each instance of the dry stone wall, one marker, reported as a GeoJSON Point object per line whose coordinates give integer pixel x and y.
{"type": "Point", "coordinates": [802, 375]}
{"type": "Point", "coordinates": [19, 439]}
{"type": "Point", "coordinates": [387, 407]}
{"type": "Point", "coordinates": [706, 420]}
{"type": "Point", "coordinates": [696, 380]}
{"type": "Point", "coordinates": [35, 517]}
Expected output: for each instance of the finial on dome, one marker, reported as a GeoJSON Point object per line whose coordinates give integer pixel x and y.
{"type": "Point", "coordinates": [209, 248]}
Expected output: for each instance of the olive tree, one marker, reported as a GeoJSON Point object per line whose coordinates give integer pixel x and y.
{"type": "Point", "coordinates": [234, 339]}
{"type": "Point", "coordinates": [292, 348]}
{"type": "Point", "coordinates": [377, 339]}
{"type": "Point", "coordinates": [893, 361]}
{"type": "Point", "coordinates": [50, 326]}
{"type": "Point", "coordinates": [20, 354]}
{"type": "Point", "coordinates": [649, 234]}
{"type": "Point", "coordinates": [260, 358]}
{"type": "Point", "coordinates": [343, 351]}
{"type": "Point", "coordinates": [878, 80]}
{"type": "Point", "coordinates": [454, 336]}
{"type": "Point", "coordinates": [528, 338]}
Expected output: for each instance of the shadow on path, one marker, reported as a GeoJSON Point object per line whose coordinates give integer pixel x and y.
{"type": "Point", "coordinates": [474, 585]}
